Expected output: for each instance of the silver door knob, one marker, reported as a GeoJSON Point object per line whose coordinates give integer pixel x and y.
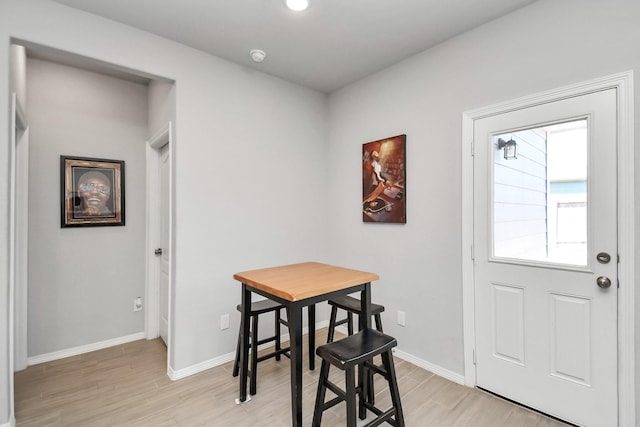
{"type": "Point", "coordinates": [158, 251]}
{"type": "Point", "coordinates": [603, 282]}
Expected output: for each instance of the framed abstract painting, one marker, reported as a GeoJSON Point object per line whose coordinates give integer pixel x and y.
{"type": "Point", "coordinates": [384, 189]}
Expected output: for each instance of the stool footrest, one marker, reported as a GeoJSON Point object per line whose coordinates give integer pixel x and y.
{"type": "Point", "coordinates": [382, 416]}
{"type": "Point", "coordinates": [376, 369]}
{"type": "Point", "coordinates": [341, 321]}
{"type": "Point", "coordinates": [284, 351]}
{"type": "Point", "coordinates": [266, 340]}
{"type": "Point", "coordinates": [334, 388]}
{"type": "Point", "coordinates": [331, 403]}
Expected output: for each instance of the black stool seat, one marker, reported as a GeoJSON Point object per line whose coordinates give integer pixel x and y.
{"type": "Point", "coordinates": [354, 349]}
{"type": "Point", "coordinates": [262, 307]}
{"type": "Point", "coordinates": [258, 308]}
{"type": "Point", "coordinates": [352, 306]}
{"type": "Point", "coordinates": [358, 350]}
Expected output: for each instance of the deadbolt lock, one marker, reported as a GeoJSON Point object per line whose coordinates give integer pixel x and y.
{"type": "Point", "coordinates": [603, 258]}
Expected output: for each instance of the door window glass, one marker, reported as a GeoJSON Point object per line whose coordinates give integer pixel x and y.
{"type": "Point", "coordinates": [540, 194]}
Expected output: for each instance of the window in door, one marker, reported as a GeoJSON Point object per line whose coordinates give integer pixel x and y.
{"type": "Point", "coordinates": [540, 196]}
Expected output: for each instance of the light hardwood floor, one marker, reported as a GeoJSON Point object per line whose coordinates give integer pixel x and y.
{"type": "Point", "coordinates": [127, 385]}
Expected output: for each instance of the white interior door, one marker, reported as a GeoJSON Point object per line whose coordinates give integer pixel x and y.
{"type": "Point", "coordinates": [545, 250]}
{"type": "Point", "coordinates": [164, 242]}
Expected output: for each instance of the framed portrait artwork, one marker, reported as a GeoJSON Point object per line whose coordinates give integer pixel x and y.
{"type": "Point", "coordinates": [92, 192]}
{"type": "Point", "coordinates": [384, 189]}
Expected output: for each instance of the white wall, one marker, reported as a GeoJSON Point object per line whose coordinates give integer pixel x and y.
{"type": "Point", "coordinates": [245, 140]}
{"type": "Point", "coordinates": [249, 166]}
{"type": "Point", "coordinates": [82, 281]}
{"type": "Point", "coordinates": [250, 169]}
{"type": "Point", "coordinates": [546, 45]}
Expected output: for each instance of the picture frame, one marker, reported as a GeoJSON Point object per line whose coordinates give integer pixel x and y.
{"type": "Point", "coordinates": [92, 192]}
{"type": "Point", "coordinates": [384, 190]}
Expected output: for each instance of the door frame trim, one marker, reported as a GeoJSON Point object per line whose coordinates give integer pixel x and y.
{"type": "Point", "coordinates": [623, 84]}
{"type": "Point", "coordinates": [17, 233]}
{"type": "Point", "coordinates": [153, 146]}
{"type": "Point", "coordinates": [19, 230]}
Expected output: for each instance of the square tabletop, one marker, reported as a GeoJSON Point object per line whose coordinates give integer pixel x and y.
{"type": "Point", "coordinates": [296, 282]}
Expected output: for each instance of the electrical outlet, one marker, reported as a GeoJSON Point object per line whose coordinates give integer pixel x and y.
{"type": "Point", "coordinates": [137, 304]}
{"type": "Point", "coordinates": [401, 318]}
{"type": "Point", "coordinates": [224, 321]}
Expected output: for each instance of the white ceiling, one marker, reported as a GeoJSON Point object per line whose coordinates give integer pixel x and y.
{"type": "Point", "coordinates": [331, 44]}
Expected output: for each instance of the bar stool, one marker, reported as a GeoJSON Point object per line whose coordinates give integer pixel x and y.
{"type": "Point", "coordinates": [258, 308]}
{"type": "Point", "coordinates": [358, 351]}
{"type": "Point", "coordinates": [352, 306]}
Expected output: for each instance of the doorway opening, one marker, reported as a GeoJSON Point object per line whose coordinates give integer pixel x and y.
{"type": "Point", "coordinates": [63, 62]}
{"type": "Point", "coordinates": [159, 236]}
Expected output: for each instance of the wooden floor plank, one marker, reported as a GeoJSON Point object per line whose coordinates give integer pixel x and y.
{"type": "Point", "coordinates": [127, 385]}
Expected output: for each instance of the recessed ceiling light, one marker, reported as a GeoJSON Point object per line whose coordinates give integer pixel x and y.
{"type": "Point", "coordinates": [297, 5]}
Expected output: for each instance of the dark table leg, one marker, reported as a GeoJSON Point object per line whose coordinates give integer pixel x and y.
{"type": "Point", "coordinates": [244, 342]}
{"type": "Point", "coordinates": [365, 307]}
{"type": "Point", "coordinates": [294, 314]}
{"type": "Point", "coordinates": [364, 322]}
{"type": "Point", "coordinates": [312, 336]}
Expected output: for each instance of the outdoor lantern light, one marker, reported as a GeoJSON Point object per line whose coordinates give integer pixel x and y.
{"type": "Point", "coordinates": [510, 148]}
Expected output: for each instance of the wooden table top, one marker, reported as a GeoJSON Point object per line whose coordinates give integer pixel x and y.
{"type": "Point", "coordinates": [296, 282]}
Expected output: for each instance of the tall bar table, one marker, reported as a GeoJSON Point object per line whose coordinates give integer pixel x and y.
{"type": "Point", "coordinates": [297, 286]}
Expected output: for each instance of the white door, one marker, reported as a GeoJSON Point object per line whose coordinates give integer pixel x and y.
{"type": "Point", "coordinates": [545, 272]}
{"type": "Point", "coordinates": [164, 242]}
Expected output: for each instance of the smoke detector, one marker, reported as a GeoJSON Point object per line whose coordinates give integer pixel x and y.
{"type": "Point", "coordinates": [257, 55]}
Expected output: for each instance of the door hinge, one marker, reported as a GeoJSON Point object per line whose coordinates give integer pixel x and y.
{"type": "Point", "coordinates": [473, 254]}
{"type": "Point", "coordinates": [474, 356]}
{"type": "Point", "coordinates": [472, 149]}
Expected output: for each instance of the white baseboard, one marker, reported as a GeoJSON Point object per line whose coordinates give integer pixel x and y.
{"type": "Point", "coordinates": [221, 360]}
{"type": "Point", "coordinates": [202, 366]}
{"type": "Point", "coordinates": [11, 423]}
{"type": "Point", "coordinates": [225, 358]}
{"type": "Point", "coordinates": [83, 349]}
{"type": "Point", "coordinates": [438, 370]}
